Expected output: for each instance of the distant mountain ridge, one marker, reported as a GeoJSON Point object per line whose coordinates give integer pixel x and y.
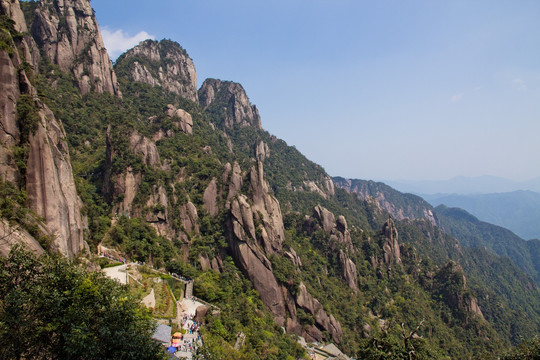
{"type": "Point", "coordinates": [468, 229]}
{"type": "Point", "coordinates": [518, 211]}
{"type": "Point", "coordinates": [464, 185]}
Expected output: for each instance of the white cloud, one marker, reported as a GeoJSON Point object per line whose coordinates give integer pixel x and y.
{"type": "Point", "coordinates": [457, 97]}
{"type": "Point", "coordinates": [119, 41]}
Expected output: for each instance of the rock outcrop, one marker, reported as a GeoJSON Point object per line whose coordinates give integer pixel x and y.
{"type": "Point", "coordinates": [184, 121]}
{"type": "Point", "coordinates": [67, 33]}
{"type": "Point", "coordinates": [327, 322]}
{"type": "Point", "coordinates": [12, 235]}
{"type": "Point", "coordinates": [251, 258]}
{"type": "Point", "coordinates": [390, 244]}
{"type": "Point", "coordinates": [164, 63]}
{"type": "Point", "coordinates": [451, 284]}
{"type": "Point", "coordinates": [230, 100]}
{"type": "Point", "coordinates": [210, 198]}
{"type": "Point", "coordinates": [145, 148]}
{"type": "Point", "coordinates": [255, 230]}
{"type": "Point", "coordinates": [339, 240]}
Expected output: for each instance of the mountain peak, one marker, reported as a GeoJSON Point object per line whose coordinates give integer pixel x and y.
{"type": "Point", "coordinates": [160, 63]}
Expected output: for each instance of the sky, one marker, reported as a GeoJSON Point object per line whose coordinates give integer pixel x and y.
{"type": "Point", "coordinates": [380, 89]}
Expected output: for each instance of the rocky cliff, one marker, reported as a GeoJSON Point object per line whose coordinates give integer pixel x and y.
{"type": "Point", "coordinates": [229, 101]}
{"type": "Point", "coordinates": [67, 33]}
{"type": "Point", "coordinates": [164, 63]}
{"type": "Point", "coordinates": [31, 129]}
{"type": "Point", "coordinates": [255, 233]}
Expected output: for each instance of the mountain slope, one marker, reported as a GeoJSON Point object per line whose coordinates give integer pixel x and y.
{"type": "Point", "coordinates": [475, 233]}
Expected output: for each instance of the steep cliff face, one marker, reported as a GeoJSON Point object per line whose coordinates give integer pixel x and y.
{"type": "Point", "coordinates": [50, 184]}
{"type": "Point", "coordinates": [164, 64]}
{"type": "Point", "coordinates": [255, 231]}
{"type": "Point", "coordinates": [68, 34]}
{"type": "Point", "coordinates": [230, 102]}
{"type": "Point", "coordinates": [29, 126]}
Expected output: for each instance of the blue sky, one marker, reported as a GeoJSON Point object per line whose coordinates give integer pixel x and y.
{"type": "Point", "coordinates": [368, 89]}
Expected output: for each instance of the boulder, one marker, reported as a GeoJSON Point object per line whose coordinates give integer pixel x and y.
{"type": "Point", "coordinates": [200, 313]}
{"type": "Point", "coordinates": [185, 121]}
{"type": "Point", "coordinates": [325, 217]}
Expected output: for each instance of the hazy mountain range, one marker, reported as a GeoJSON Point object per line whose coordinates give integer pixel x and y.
{"type": "Point", "coordinates": [518, 211]}
{"type": "Point", "coordinates": [464, 185]}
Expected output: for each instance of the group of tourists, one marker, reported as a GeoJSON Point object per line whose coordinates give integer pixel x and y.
{"type": "Point", "coordinates": [191, 326]}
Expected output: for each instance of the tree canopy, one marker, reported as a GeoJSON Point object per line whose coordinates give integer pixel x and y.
{"type": "Point", "coordinates": [53, 309]}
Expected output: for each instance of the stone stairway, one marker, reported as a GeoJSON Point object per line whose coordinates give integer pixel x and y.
{"type": "Point", "coordinates": [189, 289]}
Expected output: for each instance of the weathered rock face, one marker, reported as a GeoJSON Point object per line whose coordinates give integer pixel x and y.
{"type": "Point", "coordinates": [210, 198]}
{"type": "Point", "coordinates": [145, 148]}
{"type": "Point", "coordinates": [50, 184]}
{"type": "Point", "coordinates": [242, 238]}
{"type": "Point", "coordinates": [392, 254]}
{"type": "Point", "coordinates": [326, 218]}
{"type": "Point", "coordinates": [184, 120]}
{"type": "Point", "coordinates": [340, 240]}
{"type": "Point", "coordinates": [11, 235]}
{"type": "Point", "coordinates": [306, 301]}
{"type": "Point", "coordinates": [266, 210]}
{"type": "Point", "coordinates": [164, 64]}
{"type": "Point", "coordinates": [12, 9]}
{"type": "Point", "coordinates": [255, 230]}
{"type": "Point", "coordinates": [350, 273]}
{"type": "Point", "coordinates": [235, 181]}
{"type": "Point", "coordinates": [9, 130]}
{"type": "Point", "coordinates": [231, 101]}
{"type": "Point", "coordinates": [49, 178]}
{"type": "Point", "coordinates": [323, 186]}
{"type": "Point", "coordinates": [68, 34]}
